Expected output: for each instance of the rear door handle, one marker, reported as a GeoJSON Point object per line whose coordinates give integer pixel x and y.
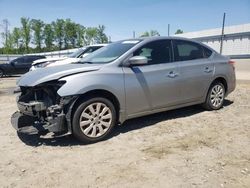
{"type": "Point", "coordinates": [208, 70]}
{"type": "Point", "coordinates": [172, 74]}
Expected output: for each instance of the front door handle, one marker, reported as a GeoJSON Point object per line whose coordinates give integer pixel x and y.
{"type": "Point", "coordinates": [172, 74]}
{"type": "Point", "coordinates": [208, 70]}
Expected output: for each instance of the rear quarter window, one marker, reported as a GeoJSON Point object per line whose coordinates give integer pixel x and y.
{"type": "Point", "coordinates": [207, 52]}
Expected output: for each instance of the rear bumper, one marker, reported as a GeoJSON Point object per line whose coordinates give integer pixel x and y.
{"type": "Point", "coordinates": [32, 125]}
{"type": "Point", "coordinates": [231, 84]}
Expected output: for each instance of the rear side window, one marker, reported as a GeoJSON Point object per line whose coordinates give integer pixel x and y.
{"type": "Point", "coordinates": [29, 59]}
{"type": "Point", "coordinates": [185, 50]}
{"type": "Point", "coordinates": [156, 52]}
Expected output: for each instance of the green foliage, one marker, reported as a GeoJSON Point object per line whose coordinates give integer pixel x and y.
{"type": "Point", "coordinates": [150, 33]}
{"type": "Point", "coordinates": [70, 34]}
{"type": "Point", "coordinates": [179, 31]}
{"type": "Point", "coordinates": [101, 36]}
{"type": "Point", "coordinates": [58, 26]}
{"type": "Point", "coordinates": [16, 34]}
{"type": "Point", "coordinates": [37, 27]}
{"type": "Point", "coordinates": [49, 36]}
{"type": "Point", "coordinates": [80, 31]}
{"type": "Point", "coordinates": [8, 45]}
{"type": "Point", "coordinates": [26, 32]}
{"type": "Point", "coordinates": [90, 35]}
{"type": "Point", "coordinates": [57, 35]}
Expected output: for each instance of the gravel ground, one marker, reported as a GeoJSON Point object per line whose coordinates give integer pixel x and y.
{"type": "Point", "coordinates": [188, 147]}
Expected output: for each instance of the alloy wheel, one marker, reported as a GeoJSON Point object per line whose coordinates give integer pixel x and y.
{"type": "Point", "coordinates": [95, 120]}
{"type": "Point", "coordinates": [217, 96]}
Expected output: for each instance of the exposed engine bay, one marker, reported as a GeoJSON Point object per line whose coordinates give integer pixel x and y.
{"type": "Point", "coordinates": [42, 110]}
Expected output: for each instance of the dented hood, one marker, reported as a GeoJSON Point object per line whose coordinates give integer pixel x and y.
{"type": "Point", "coordinates": [39, 76]}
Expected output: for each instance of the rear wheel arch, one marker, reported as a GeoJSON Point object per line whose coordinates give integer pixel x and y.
{"type": "Point", "coordinates": [2, 72]}
{"type": "Point", "coordinates": [221, 80]}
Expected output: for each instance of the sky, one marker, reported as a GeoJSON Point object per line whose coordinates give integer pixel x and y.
{"type": "Point", "coordinates": [122, 17]}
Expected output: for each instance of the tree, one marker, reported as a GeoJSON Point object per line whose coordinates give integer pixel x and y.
{"type": "Point", "coordinates": [150, 33]}
{"type": "Point", "coordinates": [37, 27]}
{"type": "Point", "coordinates": [58, 26]}
{"type": "Point", "coordinates": [49, 35]}
{"type": "Point", "coordinates": [26, 32]}
{"type": "Point", "coordinates": [8, 44]}
{"type": "Point", "coordinates": [5, 24]}
{"type": "Point", "coordinates": [101, 36]}
{"type": "Point", "coordinates": [80, 31]}
{"type": "Point", "coordinates": [56, 35]}
{"type": "Point", "coordinates": [90, 35]}
{"type": "Point", "coordinates": [145, 34]}
{"type": "Point", "coordinates": [16, 35]}
{"type": "Point", "coordinates": [179, 31]}
{"type": "Point", "coordinates": [70, 34]}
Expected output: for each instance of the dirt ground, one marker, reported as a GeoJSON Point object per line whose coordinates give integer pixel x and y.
{"type": "Point", "coordinates": [188, 147]}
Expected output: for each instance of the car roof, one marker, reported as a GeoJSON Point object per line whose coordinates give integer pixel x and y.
{"type": "Point", "coordinates": [33, 56]}
{"type": "Point", "coordinates": [159, 38]}
{"type": "Point", "coordinates": [153, 38]}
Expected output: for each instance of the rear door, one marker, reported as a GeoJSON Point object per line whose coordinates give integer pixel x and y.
{"type": "Point", "coordinates": [155, 85]}
{"type": "Point", "coordinates": [28, 62]}
{"type": "Point", "coordinates": [196, 70]}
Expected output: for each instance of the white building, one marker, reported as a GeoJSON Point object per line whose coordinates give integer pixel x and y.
{"type": "Point", "coordinates": [236, 41]}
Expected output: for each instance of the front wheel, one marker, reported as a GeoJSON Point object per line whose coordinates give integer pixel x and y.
{"type": "Point", "coordinates": [93, 120]}
{"type": "Point", "coordinates": [215, 96]}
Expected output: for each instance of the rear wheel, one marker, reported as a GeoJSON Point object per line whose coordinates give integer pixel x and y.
{"type": "Point", "coordinates": [1, 73]}
{"type": "Point", "coordinates": [94, 119]}
{"type": "Point", "coordinates": [215, 96]}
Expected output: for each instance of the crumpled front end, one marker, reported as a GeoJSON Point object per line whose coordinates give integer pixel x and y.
{"type": "Point", "coordinates": [42, 110]}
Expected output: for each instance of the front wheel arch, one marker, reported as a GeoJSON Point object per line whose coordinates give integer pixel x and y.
{"type": "Point", "coordinates": [97, 93]}
{"type": "Point", "coordinates": [96, 122]}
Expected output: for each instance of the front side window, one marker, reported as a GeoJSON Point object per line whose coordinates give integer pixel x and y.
{"type": "Point", "coordinates": [156, 52]}
{"type": "Point", "coordinates": [185, 50]}
{"type": "Point", "coordinates": [17, 61]}
{"type": "Point", "coordinates": [110, 52]}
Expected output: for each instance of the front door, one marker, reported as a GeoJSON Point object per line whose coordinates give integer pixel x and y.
{"type": "Point", "coordinates": [155, 85]}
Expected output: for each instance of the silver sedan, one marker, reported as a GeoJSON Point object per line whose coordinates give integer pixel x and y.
{"type": "Point", "coordinates": [124, 80]}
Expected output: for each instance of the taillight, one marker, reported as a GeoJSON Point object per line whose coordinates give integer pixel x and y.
{"type": "Point", "coordinates": [232, 63]}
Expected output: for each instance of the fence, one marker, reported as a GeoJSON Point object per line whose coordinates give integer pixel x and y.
{"type": "Point", "coordinates": [8, 57]}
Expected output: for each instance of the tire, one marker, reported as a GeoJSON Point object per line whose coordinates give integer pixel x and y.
{"type": "Point", "coordinates": [93, 120]}
{"type": "Point", "coordinates": [215, 96]}
{"type": "Point", "coordinates": [1, 73]}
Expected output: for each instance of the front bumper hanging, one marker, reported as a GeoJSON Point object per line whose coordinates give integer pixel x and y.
{"type": "Point", "coordinates": [27, 119]}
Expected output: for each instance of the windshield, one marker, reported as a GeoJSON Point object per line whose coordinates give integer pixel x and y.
{"type": "Point", "coordinates": [76, 53]}
{"type": "Point", "coordinates": [109, 53]}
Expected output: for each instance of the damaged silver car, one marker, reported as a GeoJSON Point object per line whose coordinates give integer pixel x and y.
{"type": "Point", "coordinates": [124, 80]}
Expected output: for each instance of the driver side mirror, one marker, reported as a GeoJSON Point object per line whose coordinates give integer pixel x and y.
{"type": "Point", "coordinates": [138, 60]}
